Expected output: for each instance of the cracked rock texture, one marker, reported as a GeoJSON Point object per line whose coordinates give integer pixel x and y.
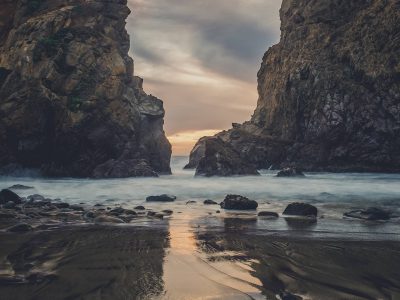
{"type": "Point", "coordinates": [329, 91]}
{"type": "Point", "coordinates": [69, 102]}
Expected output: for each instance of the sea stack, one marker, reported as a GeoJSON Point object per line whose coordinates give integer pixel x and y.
{"type": "Point", "coordinates": [329, 91]}
{"type": "Point", "coordinates": [70, 104]}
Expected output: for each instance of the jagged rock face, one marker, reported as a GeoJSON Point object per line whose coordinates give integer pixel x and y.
{"type": "Point", "coordinates": [329, 92]}
{"type": "Point", "coordinates": [69, 103]}
{"type": "Point", "coordinates": [221, 160]}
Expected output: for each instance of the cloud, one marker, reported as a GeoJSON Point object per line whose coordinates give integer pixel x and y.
{"type": "Point", "coordinates": [202, 57]}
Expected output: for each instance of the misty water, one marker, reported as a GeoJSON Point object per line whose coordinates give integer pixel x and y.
{"type": "Point", "coordinates": [333, 194]}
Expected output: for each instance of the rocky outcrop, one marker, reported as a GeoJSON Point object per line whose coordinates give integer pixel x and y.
{"type": "Point", "coordinates": [220, 159]}
{"type": "Point", "coordinates": [329, 91]}
{"type": "Point", "coordinates": [69, 103]}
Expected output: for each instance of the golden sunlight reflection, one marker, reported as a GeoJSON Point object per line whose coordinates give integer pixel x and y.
{"type": "Point", "coordinates": [190, 273]}
{"type": "Point", "coordinates": [183, 142]}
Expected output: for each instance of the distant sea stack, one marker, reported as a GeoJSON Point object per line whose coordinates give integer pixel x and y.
{"type": "Point", "coordinates": [69, 102]}
{"type": "Point", "coordinates": [329, 91]}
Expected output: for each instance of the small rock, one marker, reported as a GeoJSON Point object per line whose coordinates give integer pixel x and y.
{"type": "Point", "coordinates": [61, 205]}
{"type": "Point", "coordinates": [35, 198]}
{"type": "Point", "coordinates": [20, 228]}
{"type": "Point", "coordinates": [239, 203]}
{"type": "Point", "coordinates": [218, 211]}
{"type": "Point", "coordinates": [161, 198]}
{"type": "Point", "coordinates": [90, 215]}
{"type": "Point", "coordinates": [118, 210]}
{"type": "Point", "coordinates": [151, 213]}
{"type": "Point", "coordinates": [7, 196]}
{"type": "Point", "coordinates": [98, 205]}
{"type": "Point", "coordinates": [20, 187]}
{"type": "Point", "coordinates": [290, 172]}
{"type": "Point", "coordinates": [130, 212]}
{"type": "Point", "coordinates": [371, 214]}
{"type": "Point", "coordinates": [210, 202]}
{"type": "Point", "coordinates": [301, 209]}
{"type": "Point", "coordinates": [168, 211]}
{"type": "Point", "coordinates": [268, 214]}
{"type": "Point", "coordinates": [76, 207]}
{"type": "Point", "coordinates": [191, 202]}
{"type": "Point", "coordinates": [140, 207]}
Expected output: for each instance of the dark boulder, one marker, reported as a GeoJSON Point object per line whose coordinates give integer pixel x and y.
{"type": "Point", "coordinates": [140, 207]}
{"type": "Point", "coordinates": [269, 214]}
{"type": "Point", "coordinates": [20, 228]}
{"type": "Point", "coordinates": [210, 202]}
{"type": "Point", "coordinates": [290, 172]}
{"type": "Point", "coordinates": [222, 160]}
{"type": "Point", "coordinates": [301, 209]}
{"type": "Point", "coordinates": [238, 202]}
{"type": "Point", "coordinates": [161, 198]}
{"type": "Point", "coordinates": [371, 214]}
{"type": "Point", "coordinates": [6, 196]}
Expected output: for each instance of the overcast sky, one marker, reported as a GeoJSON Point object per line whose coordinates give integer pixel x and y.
{"type": "Point", "coordinates": [201, 57]}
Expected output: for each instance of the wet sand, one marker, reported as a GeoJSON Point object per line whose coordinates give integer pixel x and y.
{"type": "Point", "coordinates": [183, 257]}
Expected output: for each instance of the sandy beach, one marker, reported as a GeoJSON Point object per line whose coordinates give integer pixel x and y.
{"type": "Point", "coordinates": [184, 257]}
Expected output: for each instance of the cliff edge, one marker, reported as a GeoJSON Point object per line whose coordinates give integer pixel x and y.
{"type": "Point", "coordinates": [329, 91]}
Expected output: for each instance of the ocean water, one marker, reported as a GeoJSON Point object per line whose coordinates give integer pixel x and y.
{"type": "Point", "coordinates": [333, 194]}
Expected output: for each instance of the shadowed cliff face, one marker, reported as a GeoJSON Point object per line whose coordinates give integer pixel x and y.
{"type": "Point", "coordinates": [69, 103]}
{"type": "Point", "coordinates": [329, 92]}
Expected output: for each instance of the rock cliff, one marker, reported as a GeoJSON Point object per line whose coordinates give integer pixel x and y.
{"type": "Point", "coordinates": [329, 91]}
{"type": "Point", "coordinates": [69, 102]}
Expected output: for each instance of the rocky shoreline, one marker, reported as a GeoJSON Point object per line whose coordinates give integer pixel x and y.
{"type": "Point", "coordinates": [24, 214]}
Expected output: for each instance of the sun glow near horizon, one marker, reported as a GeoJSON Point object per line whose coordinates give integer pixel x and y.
{"type": "Point", "coordinates": [183, 142]}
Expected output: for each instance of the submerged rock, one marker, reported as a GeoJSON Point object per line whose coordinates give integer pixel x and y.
{"type": "Point", "coordinates": [269, 214]}
{"type": "Point", "coordinates": [161, 198]}
{"type": "Point", "coordinates": [9, 196]}
{"type": "Point", "coordinates": [210, 202]}
{"type": "Point", "coordinates": [140, 207]}
{"type": "Point", "coordinates": [290, 172]}
{"type": "Point", "coordinates": [371, 214]}
{"type": "Point", "coordinates": [238, 202]}
{"type": "Point", "coordinates": [20, 187]}
{"type": "Point", "coordinates": [301, 209]}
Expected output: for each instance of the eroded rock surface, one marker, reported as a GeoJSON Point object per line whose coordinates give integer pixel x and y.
{"type": "Point", "coordinates": [70, 104]}
{"type": "Point", "coordinates": [329, 91]}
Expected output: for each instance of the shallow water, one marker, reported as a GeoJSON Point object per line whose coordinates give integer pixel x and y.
{"type": "Point", "coordinates": [199, 253]}
{"type": "Point", "coordinates": [333, 194]}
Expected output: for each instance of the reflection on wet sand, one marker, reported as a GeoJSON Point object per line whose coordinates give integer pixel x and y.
{"type": "Point", "coordinates": [91, 262]}
{"type": "Point", "coordinates": [195, 256]}
{"type": "Point", "coordinates": [191, 274]}
{"type": "Point", "coordinates": [309, 268]}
